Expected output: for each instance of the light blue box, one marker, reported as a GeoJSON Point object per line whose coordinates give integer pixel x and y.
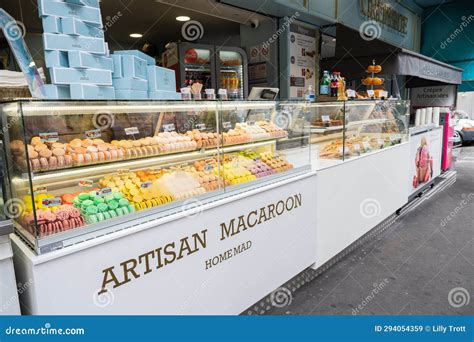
{"type": "Point", "coordinates": [130, 84]}
{"type": "Point", "coordinates": [118, 72]}
{"type": "Point", "coordinates": [92, 92]}
{"type": "Point", "coordinates": [134, 67]}
{"type": "Point", "coordinates": [90, 3]}
{"type": "Point", "coordinates": [164, 95]}
{"type": "Point", "coordinates": [149, 60]}
{"type": "Point", "coordinates": [52, 25]}
{"type": "Point", "coordinates": [78, 28]}
{"type": "Point", "coordinates": [130, 94]}
{"type": "Point", "coordinates": [84, 60]}
{"type": "Point", "coordinates": [83, 76]}
{"type": "Point", "coordinates": [54, 58]}
{"type": "Point", "coordinates": [63, 42]}
{"type": "Point", "coordinates": [161, 79]}
{"type": "Point", "coordinates": [55, 92]}
{"type": "Point", "coordinates": [86, 14]}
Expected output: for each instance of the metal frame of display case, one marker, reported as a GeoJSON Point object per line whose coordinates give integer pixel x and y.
{"type": "Point", "coordinates": [63, 239]}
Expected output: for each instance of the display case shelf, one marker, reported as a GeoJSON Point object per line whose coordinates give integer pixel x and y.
{"type": "Point", "coordinates": [81, 191]}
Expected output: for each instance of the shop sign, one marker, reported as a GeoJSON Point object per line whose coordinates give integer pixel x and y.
{"type": "Point", "coordinates": [152, 260]}
{"type": "Point", "coordinates": [385, 14]}
{"type": "Point", "coordinates": [436, 96]}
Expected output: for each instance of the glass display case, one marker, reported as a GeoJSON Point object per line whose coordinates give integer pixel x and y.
{"type": "Point", "coordinates": [348, 129]}
{"type": "Point", "coordinates": [82, 169]}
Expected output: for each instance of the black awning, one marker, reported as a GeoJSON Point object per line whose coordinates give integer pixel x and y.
{"type": "Point", "coordinates": [354, 54]}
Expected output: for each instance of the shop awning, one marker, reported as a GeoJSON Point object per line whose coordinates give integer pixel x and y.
{"type": "Point", "coordinates": [353, 55]}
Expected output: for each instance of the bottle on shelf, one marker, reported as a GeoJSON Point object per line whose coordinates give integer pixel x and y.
{"type": "Point", "coordinates": [309, 94]}
{"type": "Point", "coordinates": [325, 83]}
{"type": "Point", "coordinates": [334, 85]}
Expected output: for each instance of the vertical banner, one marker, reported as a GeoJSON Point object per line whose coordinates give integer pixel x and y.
{"type": "Point", "coordinates": [302, 59]}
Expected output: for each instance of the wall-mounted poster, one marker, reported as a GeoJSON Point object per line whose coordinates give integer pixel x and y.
{"type": "Point", "coordinates": [303, 59]}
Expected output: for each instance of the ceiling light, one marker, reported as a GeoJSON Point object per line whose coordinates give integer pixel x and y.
{"type": "Point", "coordinates": [183, 18]}
{"type": "Point", "coordinates": [136, 35]}
{"type": "Point", "coordinates": [334, 39]}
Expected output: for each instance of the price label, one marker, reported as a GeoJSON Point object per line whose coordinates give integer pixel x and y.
{"type": "Point", "coordinates": [201, 126]}
{"type": "Point", "coordinates": [341, 151]}
{"type": "Point", "coordinates": [383, 94]}
{"type": "Point", "coordinates": [226, 125]}
{"type": "Point", "coordinates": [208, 167]}
{"type": "Point", "coordinates": [49, 137]}
{"type": "Point", "coordinates": [370, 93]}
{"type": "Point", "coordinates": [381, 142]}
{"type": "Point", "coordinates": [356, 147]}
{"type": "Point", "coordinates": [146, 185]}
{"type": "Point", "coordinates": [395, 137]}
{"type": "Point", "coordinates": [131, 130]}
{"type": "Point", "coordinates": [251, 123]}
{"type": "Point", "coordinates": [103, 191]}
{"type": "Point", "coordinates": [122, 171]}
{"type": "Point", "coordinates": [366, 145]}
{"type": "Point", "coordinates": [86, 183]}
{"type": "Point", "coordinates": [51, 202]}
{"type": "Point", "coordinates": [169, 128]}
{"type": "Point", "coordinates": [93, 134]}
{"type": "Point", "coordinates": [326, 118]}
{"type": "Point", "coordinates": [154, 171]}
{"type": "Point", "coordinates": [351, 93]}
{"type": "Point", "coordinates": [41, 189]}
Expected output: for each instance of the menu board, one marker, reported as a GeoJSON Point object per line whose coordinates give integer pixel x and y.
{"type": "Point", "coordinates": [303, 70]}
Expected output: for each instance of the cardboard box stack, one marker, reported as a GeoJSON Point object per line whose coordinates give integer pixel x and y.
{"type": "Point", "coordinates": [75, 50]}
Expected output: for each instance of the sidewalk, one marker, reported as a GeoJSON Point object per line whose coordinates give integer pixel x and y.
{"type": "Point", "coordinates": [411, 268]}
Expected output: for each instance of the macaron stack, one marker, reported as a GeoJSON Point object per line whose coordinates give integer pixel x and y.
{"type": "Point", "coordinates": [202, 139]}
{"type": "Point", "coordinates": [208, 181]}
{"type": "Point", "coordinates": [138, 148]}
{"type": "Point", "coordinates": [180, 185]}
{"type": "Point", "coordinates": [255, 131]}
{"type": "Point", "coordinates": [236, 174]}
{"type": "Point", "coordinates": [141, 197]}
{"type": "Point", "coordinates": [52, 221]}
{"type": "Point", "coordinates": [150, 175]}
{"type": "Point", "coordinates": [91, 151]}
{"type": "Point", "coordinates": [174, 142]}
{"type": "Point", "coordinates": [96, 208]}
{"type": "Point", "coordinates": [272, 129]}
{"type": "Point", "coordinates": [275, 162]}
{"type": "Point", "coordinates": [233, 137]}
{"type": "Point", "coordinates": [205, 165]}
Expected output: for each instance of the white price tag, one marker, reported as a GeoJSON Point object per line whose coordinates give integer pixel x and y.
{"type": "Point", "coordinates": [226, 125]}
{"type": "Point", "coordinates": [366, 145]}
{"type": "Point", "coordinates": [325, 118]}
{"type": "Point", "coordinates": [201, 126]}
{"type": "Point", "coordinates": [51, 202]}
{"type": "Point", "coordinates": [381, 142]}
{"type": "Point", "coordinates": [383, 94]}
{"type": "Point", "coordinates": [208, 168]}
{"type": "Point", "coordinates": [169, 128]}
{"type": "Point", "coordinates": [131, 130]}
{"type": "Point", "coordinates": [103, 191]}
{"type": "Point", "coordinates": [351, 93]}
{"type": "Point", "coordinates": [93, 134]}
{"type": "Point", "coordinates": [356, 147]}
{"type": "Point", "coordinates": [86, 183]}
{"type": "Point", "coordinates": [145, 185]}
{"type": "Point", "coordinates": [49, 137]}
{"type": "Point", "coordinates": [341, 151]}
{"type": "Point", "coordinates": [370, 93]}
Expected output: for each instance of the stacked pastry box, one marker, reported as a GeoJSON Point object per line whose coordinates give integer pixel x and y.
{"type": "Point", "coordinates": [75, 50]}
